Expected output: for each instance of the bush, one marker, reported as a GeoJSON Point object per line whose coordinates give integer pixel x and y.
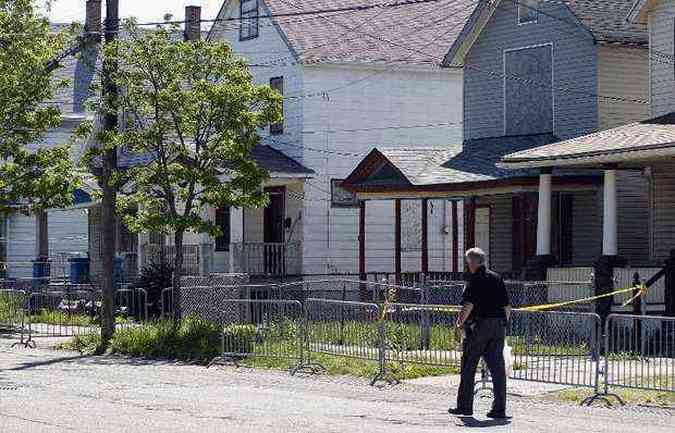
{"type": "Point", "coordinates": [193, 340]}
{"type": "Point", "coordinates": [155, 277]}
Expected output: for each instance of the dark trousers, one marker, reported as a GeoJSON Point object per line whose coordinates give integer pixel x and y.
{"type": "Point", "coordinates": [486, 340]}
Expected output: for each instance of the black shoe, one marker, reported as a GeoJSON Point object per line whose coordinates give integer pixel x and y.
{"type": "Point", "coordinates": [496, 415]}
{"type": "Point", "coordinates": [460, 411]}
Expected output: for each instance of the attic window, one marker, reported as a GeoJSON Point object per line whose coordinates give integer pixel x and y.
{"type": "Point", "coordinates": [527, 11]}
{"type": "Point", "coordinates": [248, 15]}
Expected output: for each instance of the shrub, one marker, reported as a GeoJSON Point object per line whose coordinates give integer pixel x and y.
{"type": "Point", "coordinates": [155, 277]}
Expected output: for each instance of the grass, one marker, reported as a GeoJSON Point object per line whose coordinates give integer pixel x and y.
{"type": "Point", "coordinates": [632, 397]}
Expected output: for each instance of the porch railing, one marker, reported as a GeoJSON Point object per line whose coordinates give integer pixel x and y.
{"type": "Point", "coordinates": [153, 253]}
{"type": "Point", "coordinates": [268, 258]}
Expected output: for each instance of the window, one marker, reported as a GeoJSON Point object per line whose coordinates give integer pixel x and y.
{"type": "Point", "coordinates": [528, 90]}
{"type": "Point", "coordinates": [248, 13]}
{"type": "Point", "coordinates": [223, 223]}
{"type": "Point", "coordinates": [341, 197]}
{"type": "Point", "coordinates": [277, 83]}
{"type": "Point", "coordinates": [527, 11]}
{"type": "Point", "coordinates": [411, 225]}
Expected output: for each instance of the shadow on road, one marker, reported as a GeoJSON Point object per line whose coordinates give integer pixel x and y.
{"type": "Point", "coordinates": [27, 365]}
{"type": "Point", "coordinates": [470, 421]}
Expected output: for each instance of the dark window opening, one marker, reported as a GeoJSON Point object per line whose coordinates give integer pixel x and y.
{"type": "Point", "coordinates": [277, 83]}
{"type": "Point", "coordinates": [341, 197]}
{"type": "Point", "coordinates": [223, 223]}
{"type": "Point", "coordinates": [248, 14]}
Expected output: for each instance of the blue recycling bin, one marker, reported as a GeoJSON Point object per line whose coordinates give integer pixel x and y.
{"type": "Point", "coordinates": [118, 272]}
{"type": "Point", "coordinates": [79, 270]}
{"type": "Point", "coordinates": [41, 271]}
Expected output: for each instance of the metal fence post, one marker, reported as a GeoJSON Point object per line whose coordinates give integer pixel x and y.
{"type": "Point", "coordinates": [425, 326]}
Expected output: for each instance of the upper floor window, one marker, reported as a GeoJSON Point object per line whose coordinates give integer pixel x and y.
{"type": "Point", "coordinates": [277, 83]}
{"type": "Point", "coordinates": [527, 11]}
{"type": "Point", "coordinates": [341, 197]}
{"type": "Point", "coordinates": [248, 14]}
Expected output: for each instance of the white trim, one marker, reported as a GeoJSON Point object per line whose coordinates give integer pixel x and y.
{"type": "Point", "coordinates": [527, 47]}
{"type": "Point", "coordinates": [518, 5]}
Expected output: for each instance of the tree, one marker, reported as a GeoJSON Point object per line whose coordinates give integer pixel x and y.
{"type": "Point", "coordinates": [32, 177]}
{"type": "Point", "coordinates": [193, 111]}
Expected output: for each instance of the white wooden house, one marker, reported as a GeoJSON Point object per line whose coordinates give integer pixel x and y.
{"type": "Point", "coordinates": [351, 81]}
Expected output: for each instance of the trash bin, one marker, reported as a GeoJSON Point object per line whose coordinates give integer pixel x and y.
{"type": "Point", "coordinates": [41, 271]}
{"type": "Point", "coordinates": [79, 270]}
{"type": "Point", "coordinates": [118, 271]}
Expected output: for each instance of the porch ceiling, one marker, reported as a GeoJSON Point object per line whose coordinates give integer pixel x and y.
{"type": "Point", "coordinates": [627, 145]}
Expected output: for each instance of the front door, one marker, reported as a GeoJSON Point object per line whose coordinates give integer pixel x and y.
{"type": "Point", "coordinates": [482, 230]}
{"type": "Point", "coordinates": [524, 233]}
{"type": "Point", "coordinates": [274, 230]}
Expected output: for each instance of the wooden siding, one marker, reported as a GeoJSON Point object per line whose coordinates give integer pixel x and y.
{"type": "Point", "coordinates": [663, 210]}
{"type": "Point", "coordinates": [574, 67]}
{"type": "Point", "coordinates": [661, 31]}
{"type": "Point", "coordinates": [622, 72]}
{"type": "Point", "coordinates": [587, 233]}
{"type": "Point", "coordinates": [500, 231]}
{"type": "Point", "coordinates": [632, 215]}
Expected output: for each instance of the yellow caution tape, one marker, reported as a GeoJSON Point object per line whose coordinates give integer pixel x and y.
{"type": "Point", "coordinates": [577, 301]}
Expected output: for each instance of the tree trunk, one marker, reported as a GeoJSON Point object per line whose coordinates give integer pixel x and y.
{"type": "Point", "coordinates": [109, 200]}
{"type": "Point", "coordinates": [177, 273]}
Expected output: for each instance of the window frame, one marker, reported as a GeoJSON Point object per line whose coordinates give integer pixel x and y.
{"type": "Point", "coordinates": [532, 8]}
{"type": "Point", "coordinates": [222, 242]}
{"type": "Point", "coordinates": [278, 128]}
{"type": "Point", "coordinates": [248, 20]}
{"type": "Point", "coordinates": [336, 183]}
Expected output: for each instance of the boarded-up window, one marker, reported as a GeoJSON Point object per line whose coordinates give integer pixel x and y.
{"type": "Point", "coordinates": [528, 91]}
{"type": "Point", "coordinates": [411, 225]}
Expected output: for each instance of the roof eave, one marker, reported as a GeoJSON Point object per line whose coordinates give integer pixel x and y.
{"type": "Point", "coordinates": [611, 157]}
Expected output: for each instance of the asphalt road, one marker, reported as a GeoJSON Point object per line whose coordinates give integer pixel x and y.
{"type": "Point", "coordinates": [49, 391]}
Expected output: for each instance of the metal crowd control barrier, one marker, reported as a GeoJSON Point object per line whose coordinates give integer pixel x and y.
{"type": "Point", "coordinates": [345, 329]}
{"type": "Point", "coordinates": [262, 329]}
{"type": "Point", "coordinates": [421, 334]}
{"type": "Point", "coordinates": [62, 313]}
{"type": "Point", "coordinates": [639, 352]}
{"type": "Point", "coordinates": [556, 347]}
{"type": "Point", "coordinates": [12, 313]}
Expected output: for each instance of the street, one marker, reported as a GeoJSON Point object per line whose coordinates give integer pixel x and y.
{"type": "Point", "coordinates": [54, 391]}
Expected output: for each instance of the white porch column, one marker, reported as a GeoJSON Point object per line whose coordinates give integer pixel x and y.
{"type": "Point", "coordinates": [236, 239]}
{"type": "Point", "coordinates": [544, 215]}
{"type": "Point", "coordinates": [609, 226]}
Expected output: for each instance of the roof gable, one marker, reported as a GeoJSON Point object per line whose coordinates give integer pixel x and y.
{"type": "Point", "coordinates": [604, 20]}
{"type": "Point", "coordinates": [412, 33]}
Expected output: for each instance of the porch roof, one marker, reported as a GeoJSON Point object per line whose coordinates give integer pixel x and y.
{"type": "Point", "coordinates": [648, 139]}
{"type": "Point", "coordinates": [469, 166]}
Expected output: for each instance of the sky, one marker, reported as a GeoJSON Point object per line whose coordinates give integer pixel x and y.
{"type": "Point", "coordinates": [66, 11]}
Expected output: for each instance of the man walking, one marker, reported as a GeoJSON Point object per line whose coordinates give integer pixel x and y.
{"type": "Point", "coordinates": [484, 315]}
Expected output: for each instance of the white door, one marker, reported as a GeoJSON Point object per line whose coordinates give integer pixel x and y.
{"type": "Point", "coordinates": [483, 231]}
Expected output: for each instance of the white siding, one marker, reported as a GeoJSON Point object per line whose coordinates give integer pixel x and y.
{"type": "Point", "coordinates": [68, 234]}
{"type": "Point", "coordinates": [661, 34]}
{"type": "Point", "coordinates": [321, 102]}
{"type": "Point", "coordinates": [371, 107]}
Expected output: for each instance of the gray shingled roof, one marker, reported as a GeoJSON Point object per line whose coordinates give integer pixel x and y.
{"type": "Point", "coordinates": [606, 19]}
{"type": "Point", "coordinates": [656, 133]}
{"type": "Point", "coordinates": [418, 33]}
{"type": "Point", "coordinates": [473, 162]}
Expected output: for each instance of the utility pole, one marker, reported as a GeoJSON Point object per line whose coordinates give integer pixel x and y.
{"type": "Point", "coordinates": [109, 200]}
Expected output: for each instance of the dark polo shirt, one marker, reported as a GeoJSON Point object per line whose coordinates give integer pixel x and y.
{"type": "Point", "coordinates": [486, 291]}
